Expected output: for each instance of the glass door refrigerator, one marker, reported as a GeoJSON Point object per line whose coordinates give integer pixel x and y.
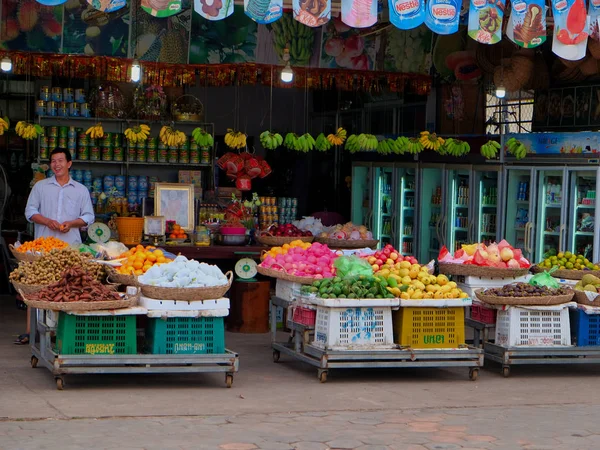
{"type": "Point", "coordinates": [384, 203]}
{"type": "Point", "coordinates": [580, 235]}
{"type": "Point", "coordinates": [459, 208]}
{"type": "Point", "coordinates": [431, 205]}
{"type": "Point", "coordinates": [362, 194]}
{"type": "Point", "coordinates": [484, 226]}
{"type": "Point", "coordinates": [404, 223]}
{"type": "Point", "coordinates": [519, 203]}
{"type": "Point", "coordinates": [552, 207]}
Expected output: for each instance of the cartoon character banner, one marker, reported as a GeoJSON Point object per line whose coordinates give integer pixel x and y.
{"type": "Point", "coordinates": [570, 29]}
{"type": "Point", "coordinates": [442, 16]}
{"type": "Point", "coordinates": [485, 20]}
{"type": "Point", "coordinates": [263, 11]}
{"type": "Point", "coordinates": [407, 14]}
{"type": "Point", "coordinates": [594, 14]}
{"type": "Point", "coordinates": [161, 8]}
{"type": "Point", "coordinates": [312, 13]}
{"type": "Point", "coordinates": [106, 6]}
{"type": "Point", "coordinates": [359, 13]}
{"type": "Point", "coordinates": [214, 9]}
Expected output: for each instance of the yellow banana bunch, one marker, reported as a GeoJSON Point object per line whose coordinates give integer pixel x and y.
{"type": "Point", "coordinates": [338, 138]}
{"type": "Point", "coordinates": [431, 141]}
{"type": "Point", "coordinates": [28, 131]}
{"type": "Point", "coordinates": [235, 139]}
{"type": "Point", "coordinates": [96, 131]}
{"type": "Point", "coordinates": [172, 137]}
{"type": "Point", "coordinates": [138, 133]}
{"type": "Point", "coordinates": [4, 125]}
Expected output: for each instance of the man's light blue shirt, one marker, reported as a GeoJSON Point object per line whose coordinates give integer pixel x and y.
{"type": "Point", "coordinates": [61, 203]}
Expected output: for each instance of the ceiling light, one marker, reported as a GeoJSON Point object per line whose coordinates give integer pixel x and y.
{"type": "Point", "coordinates": [500, 91]}
{"type": "Point", "coordinates": [287, 74]}
{"type": "Point", "coordinates": [136, 71]}
{"type": "Point", "coordinates": [6, 64]}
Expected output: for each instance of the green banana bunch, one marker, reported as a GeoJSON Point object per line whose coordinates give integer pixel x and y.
{"type": "Point", "coordinates": [322, 144]}
{"type": "Point", "coordinates": [516, 148]}
{"type": "Point", "coordinates": [401, 145]}
{"type": "Point", "coordinates": [295, 36]}
{"type": "Point", "coordinates": [270, 140]}
{"type": "Point", "coordinates": [303, 143]}
{"type": "Point", "coordinates": [367, 142]}
{"type": "Point", "coordinates": [202, 138]}
{"type": "Point", "coordinates": [490, 149]}
{"type": "Point", "coordinates": [310, 141]}
{"type": "Point", "coordinates": [352, 144]}
{"type": "Point", "coordinates": [387, 146]}
{"type": "Point", "coordinates": [414, 146]}
{"type": "Point", "coordinates": [456, 147]}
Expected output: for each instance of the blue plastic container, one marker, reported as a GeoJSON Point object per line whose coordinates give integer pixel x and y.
{"type": "Point", "coordinates": [585, 328]}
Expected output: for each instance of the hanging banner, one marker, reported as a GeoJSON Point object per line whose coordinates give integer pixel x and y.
{"type": "Point", "coordinates": [264, 11]}
{"type": "Point", "coordinates": [106, 6]}
{"type": "Point", "coordinates": [312, 13]}
{"type": "Point", "coordinates": [359, 13]}
{"type": "Point", "coordinates": [526, 26]}
{"type": "Point", "coordinates": [214, 9]}
{"type": "Point", "coordinates": [594, 15]}
{"type": "Point", "coordinates": [161, 8]}
{"type": "Point", "coordinates": [56, 2]}
{"type": "Point", "coordinates": [407, 14]}
{"type": "Point", "coordinates": [570, 29]}
{"type": "Point", "coordinates": [485, 21]}
{"type": "Point", "coordinates": [442, 16]}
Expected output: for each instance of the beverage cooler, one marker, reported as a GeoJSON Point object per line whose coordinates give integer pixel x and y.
{"type": "Point", "coordinates": [552, 209]}
{"type": "Point", "coordinates": [384, 199]}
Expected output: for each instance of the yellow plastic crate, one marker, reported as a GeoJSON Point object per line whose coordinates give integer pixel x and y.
{"type": "Point", "coordinates": [429, 327]}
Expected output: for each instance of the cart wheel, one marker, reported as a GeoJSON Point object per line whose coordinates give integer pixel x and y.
{"type": "Point", "coordinates": [276, 355]}
{"type": "Point", "coordinates": [34, 362]}
{"type": "Point", "coordinates": [322, 375]}
{"type": "Point", "coordinates": [229, 380]}
{"type": "Point", "coordinates": [505, 371]}
{"type": "Point", "coordinates": [473, 374]}
{"type": "Point", "coordinates": [60, 383]}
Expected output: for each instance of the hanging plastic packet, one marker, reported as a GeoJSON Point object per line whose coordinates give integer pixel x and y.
{"type": "Point", "coordinates": [106, 6]}
{"type": "Point", "coordinates": [406, 14]}
{"type": "Point", "coordinates": [485, 21]}
{"type": "Point", "coordinates": [526, 26]}
{"type": "Point", "coordinates": [161, 8]}
{"type": "Point", "coordinates": [214, 9]}
{"type": "Point", "coordinates": [571, 25]}
{"type": "Point", "coordinates": [312, 13]}
{"type": "Point", "coordinates": [359, 13]}
{"type": "Point", "coordinates": [264, 11]}
{"type": "Point", "coordinates": [442, 16]}
{"type": "Point", "coordinates": [594, 15]}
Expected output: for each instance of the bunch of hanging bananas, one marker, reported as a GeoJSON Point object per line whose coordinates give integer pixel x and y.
{"type": "Point", "coordinates": [338, 138]}
{"type": "Point", "coordinates": [302, 143]}
{"type": "Point", "coordinates": [235, 139]}
{"type": "Point", "coordinates": [298, 38]}
{"type": "Point", "coordinates": [4, 125]}
{"type": "Point", "coordinates": [387, 146]}
{"type": "Point", "coordinates": [322, 143]}
{"type": "Point", "coordinates": [431, 141]}
{"type": "Point", "coordinates": [490, 149]}
{"type": "Point", "coordinates": [401, 145]}
{"type": "Point", "coordinates": [202, 138]}
{"type": "Point", "coordinates": [28, 131]}
{"type": "Point", "coordinates": [138, 133]}
{"type": "Point", "coordinates": [516, 148]}
{"type": "Point", "coordinates": [414, 146]}
{"type": "Point", "coordinates": [95, 131]}
{"type": "Point", "coordinates": [454, 147]}
{"type": "Point", "coordinates": [362, 142]}
{"type": "Point", "coordinates": [171, 137]}
{"type": "Point", "coordinates": [270, 141]}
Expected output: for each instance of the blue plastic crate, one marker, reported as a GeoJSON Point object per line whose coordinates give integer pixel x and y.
{"type": "Point", "coordinates": [186, 335]}
{"type": "Point", "coordinates": [586, 328]}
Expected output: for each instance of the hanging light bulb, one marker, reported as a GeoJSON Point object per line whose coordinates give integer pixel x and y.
{"type": "Point", "coordinates": [6, 64]}
{"type": "Point", "coordinates": [136, 71]}
{"type": "Point", "coordinates": [500, 91]}
{"type": "Point", "coordinates": [287, 74]}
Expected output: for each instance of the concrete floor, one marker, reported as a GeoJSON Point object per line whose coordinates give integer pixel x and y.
{"type": "Point", "coordinates": [265, 393]}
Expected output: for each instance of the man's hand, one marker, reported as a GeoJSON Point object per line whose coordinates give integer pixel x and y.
{"type": "Point", "coordinates": [54, 225]}
{"type": "Point", "coordinates": [65, 227]}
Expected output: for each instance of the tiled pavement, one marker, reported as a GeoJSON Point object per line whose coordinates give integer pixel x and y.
{"type": "Point", "coordinates": [528, 427]}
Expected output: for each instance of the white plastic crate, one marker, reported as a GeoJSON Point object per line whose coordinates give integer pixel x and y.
{"type": "Point", "coordinates": [470, 284]}
{"type": "Point", "coordinates": [533, 327]}
{"type": "Point", "coordinates": [346, 328]}
{"type": "Point", "coordinates": [287, 290]}
{"type": "Point", "coordinates": [184, 305]}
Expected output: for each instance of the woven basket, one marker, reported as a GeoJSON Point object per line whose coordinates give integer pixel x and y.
{"type": "Point", "coordinates": [119, 278]}
{"type": "Point", "coordinates": [347, 243]}
{"type": "Point", "coordinates": [127, 302]}
{"type": "Point", "coordinates": [567, 274]}
{"type": "Point", "coordinates": [277, 241]}
{"type": "Point", "coordinates": [281, 275]}
{"type": "Point", "coordinates": [187, 108]}
{"type": "Point", "coordinates": [582, 299]}
{"type": "Point", "coordinates": [479, 271]}
{"type": "Point", "coordinates": [166, 293]}
{"type": "Point", "coordinates": [131, 229]}
{"type": "Point", "coordinates": [524, 301]}
{"type": "Point", "coordinates": [27, 288]}
{"type": "Point", "coordinates": [21, 256]}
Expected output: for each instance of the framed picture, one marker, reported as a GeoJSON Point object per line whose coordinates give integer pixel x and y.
{"type": "Point", "coordinates": [175, 201]}
{"type": "Point", "coordinates": [155, 225]}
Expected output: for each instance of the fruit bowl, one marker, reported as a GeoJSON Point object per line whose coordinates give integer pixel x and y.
{"type": "Point", "coordinates": [567, 274]}
{"type": "Point", "coordinates": [234, 239]}
{"type": "Point", "coordinates": [234, 231]}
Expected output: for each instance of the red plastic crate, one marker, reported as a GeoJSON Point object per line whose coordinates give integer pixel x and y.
{"type": "Point", "coordinates": [304, 316]}
{"type": "Point", "coordinates": [483, 314]}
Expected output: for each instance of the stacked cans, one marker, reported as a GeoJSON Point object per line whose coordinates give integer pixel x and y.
{"type": "Point", "coordinates": [80, 145]}
{"type": "Point", "coordinates": [187, 153]}
{"type": "Point", "coordinates": [137, 189]}
{"type": "Point", "coordinates": [59, 102]}
{"type": "Point", "coordinates": [84, 177]}
{"type": "Point", "coordinates": [269, 212]}
{"type": "Point", "coordinates": [288, 209]}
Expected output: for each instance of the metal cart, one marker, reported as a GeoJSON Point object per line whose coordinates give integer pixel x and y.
{"type": "Point", "coordinates": [299, 347]}
{"type": "Point", "coordinates": [60, 365]}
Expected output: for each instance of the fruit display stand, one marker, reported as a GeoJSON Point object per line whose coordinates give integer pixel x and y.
{"type": "Point", "coordinates": [350, 349]}
{"type": "Point", "coordinates": [182, 337]}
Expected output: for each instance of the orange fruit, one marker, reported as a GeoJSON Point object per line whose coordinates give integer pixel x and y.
{"type": "Point", "coordinates": [158, 253]}
{"type": "Point", "coordinates": [172, 236]}
{"type": "Point", "coordinates": [138, 264]}
{"type": "Point", "coordinates": [139, 272]}
{"type": "Point", "coordinates": [176, 227]}
{"type": "Point", "coordinates": [161, 259]}
{"type": "Point", "coordinates": [150, 257]}
{"type": "Point", "coordinates": [146, 267]}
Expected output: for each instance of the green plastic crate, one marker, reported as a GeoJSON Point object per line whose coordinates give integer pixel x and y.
{"type": "Point", "coordinates": [186, 335]}
{"type": "Point", "coordinates": [96, 335]}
